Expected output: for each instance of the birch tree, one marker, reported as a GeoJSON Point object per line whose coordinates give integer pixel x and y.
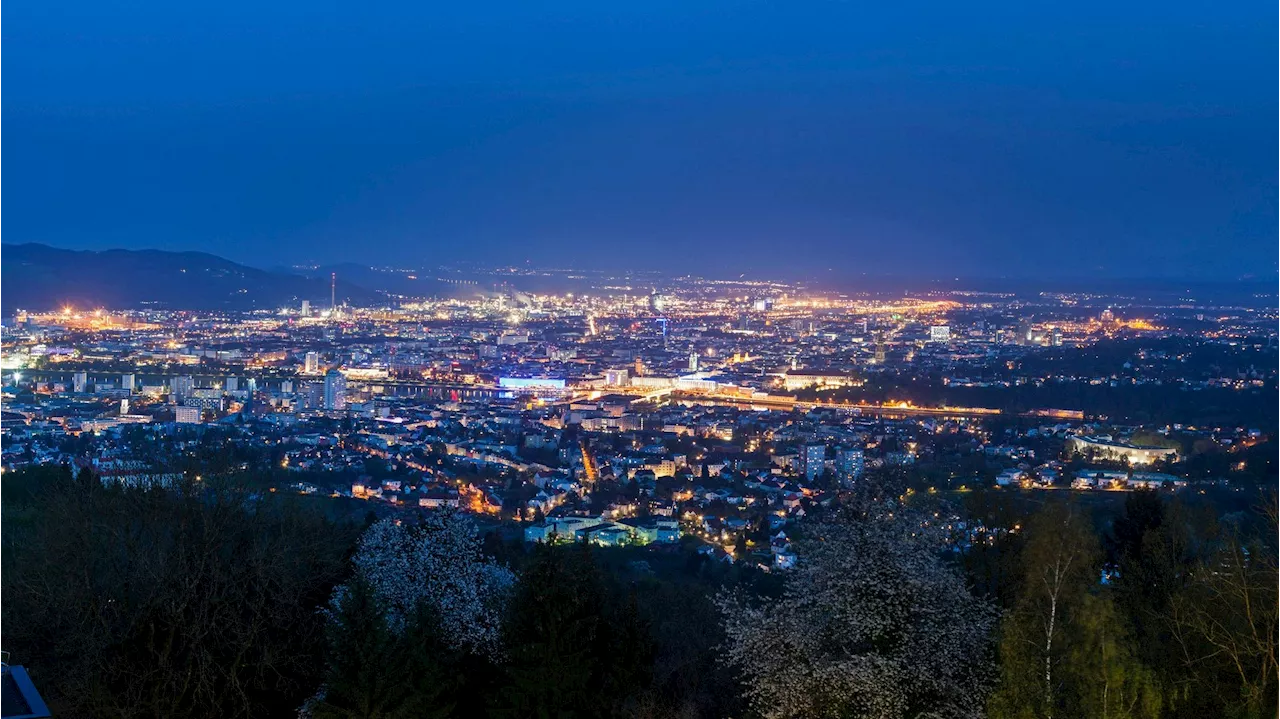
{"type": "Point", "coordinates": [1064, 651]}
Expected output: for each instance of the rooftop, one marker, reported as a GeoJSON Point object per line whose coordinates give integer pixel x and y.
{"type": "Point", "coordinates": [18, 696]}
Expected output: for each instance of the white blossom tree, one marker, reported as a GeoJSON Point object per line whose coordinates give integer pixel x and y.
{"type": "Point", "coordinates": [437, 561]}
{"type": "Point", "coordinates": [872, 623]}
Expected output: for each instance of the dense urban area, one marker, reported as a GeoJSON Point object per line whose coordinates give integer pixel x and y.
{"type": "Point", "coordinates": [646, 497]}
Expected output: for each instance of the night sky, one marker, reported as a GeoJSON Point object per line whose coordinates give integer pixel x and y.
{"type": "Point", "coordinates": [941, 138]}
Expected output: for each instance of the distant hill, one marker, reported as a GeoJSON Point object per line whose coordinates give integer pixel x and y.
{"type": "Point", "coordinates": [39, 277]}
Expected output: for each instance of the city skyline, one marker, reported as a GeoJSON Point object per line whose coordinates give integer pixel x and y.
{"type": "Point", "coordinates": [664, 360]}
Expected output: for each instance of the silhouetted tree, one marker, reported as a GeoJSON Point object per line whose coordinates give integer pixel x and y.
{"type": "Point", "coordinates": [572, 650]}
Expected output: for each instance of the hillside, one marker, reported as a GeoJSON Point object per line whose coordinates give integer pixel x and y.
{"type": "Point", "coordinates": [39, 277]}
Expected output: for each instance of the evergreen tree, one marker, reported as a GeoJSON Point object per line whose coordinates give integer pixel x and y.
{"type": "Point", "coordinates": [571, 651]}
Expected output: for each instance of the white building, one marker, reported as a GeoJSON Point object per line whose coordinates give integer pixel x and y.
{"type": "Point", "coordinates": [940, 333]}
{"type": "Point", "coordinates": [1106, 449]}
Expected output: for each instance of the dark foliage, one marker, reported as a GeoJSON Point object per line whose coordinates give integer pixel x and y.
{"type": "Point", "coordinates": [575, 649]}
{"type": "Point", "coordinates": [197, 602]}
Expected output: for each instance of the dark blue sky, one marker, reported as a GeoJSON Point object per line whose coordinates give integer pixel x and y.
{"type": "Point", "coordinates": [932, 138]}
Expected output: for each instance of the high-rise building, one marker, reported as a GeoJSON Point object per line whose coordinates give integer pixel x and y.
{"type": "Point", "coordinates": [306, 308]}
{"type": "Point", "coordinates": [850, 463]}
{"type": "Point", "coordinates": [233, 384]}
{"type": "Point", "coordinates": [182, 387]}
{"type": "Point", "coordinates": [1057, 337]}
{"type": "Point", "coordinates": [311, 363]}
{"type": "Point", "coordinates": [639, 367]}
{"type": "Point", "coordinates": [124, 406]}
{"type": "Point", "coordinates": [186, 415]}
{"type": "Point", "coordinates": [813, 458]}
{"type": "Point", "coordinates": [80, 382]}
{"type": "Point", "coordinates": [940, 333]}
{"type": "Point", "coordinates": [617, 377]}
{"type": "Point", "coordinates": [335, 390]}
{"type": "Point", "coordinates": [286, 386]}
{"type": "Point", "coordinates": [1026, 332]}
{"type": "Point", "coordinates": [1107, 315]}
{"type": "Point", "coordinates": [693, 361]}
{"type": "Point", "coordinates": [127, 382]}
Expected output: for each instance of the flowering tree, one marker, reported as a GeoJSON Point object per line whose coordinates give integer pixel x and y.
{"type": "Point", "coordinates": [872, 623]}
{"type": "Point", "coordinates": [423, 603]}
{"type": "Point", "coordinates": [436, 562]}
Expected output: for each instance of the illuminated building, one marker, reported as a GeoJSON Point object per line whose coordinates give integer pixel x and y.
{"type": "Point", "coordinates": [186, 415]}
{"type": "Point", "coordinates": [850, 463]}
{"type": "Point", "coordinates": [940, 333]}
{"type": "Point", "coordinates": [693, 361]}
{"type": "Point", "coordinates": [80, 382]}
{"type": "Point", "coordinates": [1107, 449]}
{"type": "Point", "coordinates": [182, 387]}
{"type": "Point", "coordinates": [335, 391]}
{"type": "Point", "coordinates": [813, 459]}
{"type": "Point", "coordinates": [1026, 333]}
{"type": "Point", "coordinates": [801, 379]}
{"type": "Point", "coordinates": [311, 364]}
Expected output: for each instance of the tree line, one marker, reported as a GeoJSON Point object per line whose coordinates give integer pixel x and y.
{"type": "Point", "coordinates": [218, 599]}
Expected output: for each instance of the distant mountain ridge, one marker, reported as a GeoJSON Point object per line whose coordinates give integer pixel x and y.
{"type": "Point", "coordinates": [38, 277]}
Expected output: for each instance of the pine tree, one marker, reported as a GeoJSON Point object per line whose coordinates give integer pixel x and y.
{"type": "Point", "coordinates": [573, 651]}
{"type": "Point", "coordinates": [365, 677]}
